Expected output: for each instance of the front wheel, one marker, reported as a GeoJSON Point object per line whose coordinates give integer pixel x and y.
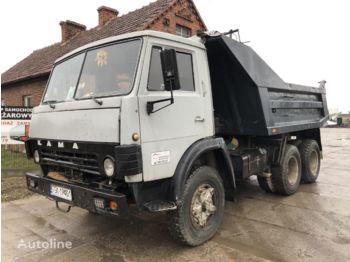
{"type": "Point", "coordinates": [201, 210]}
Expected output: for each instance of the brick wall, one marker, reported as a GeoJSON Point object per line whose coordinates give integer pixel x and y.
{"type": "Point", "coordinates": [13, 95]}
{"type": "Point", "coordinates": [180, 14]}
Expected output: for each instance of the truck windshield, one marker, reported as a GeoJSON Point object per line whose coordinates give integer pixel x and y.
{"type": "Point", "coordinates": [105, 71]}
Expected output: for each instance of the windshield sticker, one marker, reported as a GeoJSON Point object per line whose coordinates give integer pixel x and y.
{"type": "Point", "coordinates": [160, 158]}
{"type": "Point", "coordinates": [101, 58]}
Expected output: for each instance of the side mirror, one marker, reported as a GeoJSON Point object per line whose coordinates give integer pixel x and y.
{"type": "Point", "coordinates": [169, 68]}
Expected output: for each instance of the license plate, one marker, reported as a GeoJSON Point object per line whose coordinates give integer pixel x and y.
{"type": "Point", "coordinates": [61, 192]}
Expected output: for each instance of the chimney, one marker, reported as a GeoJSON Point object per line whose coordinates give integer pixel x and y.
{"type": "Point", "coordinates": [106, 14]}
{"type": "Point", "coordinates": [70, 29]}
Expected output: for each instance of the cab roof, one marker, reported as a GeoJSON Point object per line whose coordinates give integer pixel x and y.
{"type": "Point", "coordinates": [192, 41]}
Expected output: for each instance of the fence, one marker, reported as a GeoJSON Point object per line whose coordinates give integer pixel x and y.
{"type": "Point", "coordinates": [13, 157]}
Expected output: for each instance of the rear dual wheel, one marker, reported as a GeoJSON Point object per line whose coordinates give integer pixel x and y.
{"type": "Point", "coordinates": [286, 177]}
{"type": "Point", "coordinates": [300, 164]}
{"type": "Point", "coordinates": [265, 184]}
{"type": "Point", "coordinates": [311, 160]}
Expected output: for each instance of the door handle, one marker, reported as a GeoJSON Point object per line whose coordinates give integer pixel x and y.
{"type": "Point", "coordinates": [199, 119]}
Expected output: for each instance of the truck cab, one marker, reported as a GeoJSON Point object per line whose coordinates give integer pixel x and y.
{"type": "Point", "coordinates": [136, 119]}
{"type": "Point", "coordinates": [86, 105]}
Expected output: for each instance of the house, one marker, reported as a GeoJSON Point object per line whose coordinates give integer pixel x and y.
{"type": "Point", "coordinates": [24, 83]}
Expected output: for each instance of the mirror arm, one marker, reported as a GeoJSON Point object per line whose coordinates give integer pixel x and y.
{"type": "Point", "coordinates": [150, 104]}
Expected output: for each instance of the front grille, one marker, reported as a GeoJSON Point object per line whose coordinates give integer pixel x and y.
{"type": "Point", "coordinates": [84, 162]}
{"type": "Point", "coordinates": [85, 159]}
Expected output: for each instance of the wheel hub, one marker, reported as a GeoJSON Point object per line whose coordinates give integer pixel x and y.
{"type": "Point", "coordinates": [314, 162]}
{"type": "Point", "coordinates": [203, 206]}
{"type": "Point", "coordinates": [293, 171]}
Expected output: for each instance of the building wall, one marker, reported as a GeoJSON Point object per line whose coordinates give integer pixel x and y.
{"type": "Point", "coordinates": [13, 95]}
{"type": "Point", "coordinates": [181, 14]}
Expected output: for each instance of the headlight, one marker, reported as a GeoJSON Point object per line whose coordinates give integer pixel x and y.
{"type": "Point", "coordinates": [108, 165]}
{"type": "Point", "coordinates": [36, 156]}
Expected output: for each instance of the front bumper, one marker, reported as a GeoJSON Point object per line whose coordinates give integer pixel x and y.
{"type": "Point", "coordinates": [82, 197]}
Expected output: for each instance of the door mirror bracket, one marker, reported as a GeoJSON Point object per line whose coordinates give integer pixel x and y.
{"type": "Point", "coordinates": [170, 77]}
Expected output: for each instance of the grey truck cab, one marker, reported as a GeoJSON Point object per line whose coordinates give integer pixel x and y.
{"type": "Point", "coordinates": [170, 124]}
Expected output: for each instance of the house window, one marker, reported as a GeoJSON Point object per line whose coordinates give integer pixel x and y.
{"type": "Point", "coordinates": [184, 65]}
{"type": "Point", "coordinates": [183, 31]}
{"type": "Point", "coordinates": [27, 101]}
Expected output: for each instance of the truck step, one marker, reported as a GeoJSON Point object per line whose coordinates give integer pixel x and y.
{"type": "Point", "coordinates": [159, 206]}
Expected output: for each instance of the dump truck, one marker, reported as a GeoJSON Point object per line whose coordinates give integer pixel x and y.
{"type": "Point", "coordinates": [162, 123]}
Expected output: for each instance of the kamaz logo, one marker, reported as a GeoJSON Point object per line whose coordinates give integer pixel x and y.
{"type": "Point", "coordinates": [59, 144]}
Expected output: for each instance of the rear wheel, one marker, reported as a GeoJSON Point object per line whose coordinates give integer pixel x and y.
{"type": "Point", "coordinates": [200, 213]}
{"type": "Point", "coordinates": [265, 184]}
{"type": "Point", "coordinates": [311, 160]}
{"type": "Point", "coordinates": [286, 177]}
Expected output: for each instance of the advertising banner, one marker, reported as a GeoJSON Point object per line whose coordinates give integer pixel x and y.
{"type": "Point", "coordinates": [13, 122]}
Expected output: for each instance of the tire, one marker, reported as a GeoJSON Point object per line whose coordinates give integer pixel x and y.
{"type": "Point", "coordinates": [311, 161]}
{"type": "Point", "coordinates": [265, 184]}
{"type": "Point", "coordinates": [286, 178]}
{"type": "Point", "coordinates": [185, 227]}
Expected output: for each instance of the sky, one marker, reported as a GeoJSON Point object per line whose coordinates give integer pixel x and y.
{"type": "Point", "coordinates": [303, 41]}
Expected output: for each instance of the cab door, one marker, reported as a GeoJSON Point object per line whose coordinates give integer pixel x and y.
{"type": "Point", "coordinates": [167, 133]}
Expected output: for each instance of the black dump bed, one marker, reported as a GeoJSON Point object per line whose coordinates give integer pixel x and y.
{"type": "Point", "coordinates": [251, 99]}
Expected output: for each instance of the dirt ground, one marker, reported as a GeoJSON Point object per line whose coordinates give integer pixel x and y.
{"type": "Point", "coordinates": [312, 225]}
{"type": "Point", "coordinates": [13, 188]}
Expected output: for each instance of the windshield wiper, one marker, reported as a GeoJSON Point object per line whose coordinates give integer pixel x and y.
{"type": "Point", "coordinates": [97, 101]}
{"type": "Point", "coordinates": [50, 103]}
{"type": "Point", "coordinates": [100, 102]}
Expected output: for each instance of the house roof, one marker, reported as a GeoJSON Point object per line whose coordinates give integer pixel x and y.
{"type": "Point", "coordinates": [40, 62]}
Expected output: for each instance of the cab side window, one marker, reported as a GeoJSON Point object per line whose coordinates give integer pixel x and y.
{"type": "Point", "coordinates": [185, 68]}
{"type": "Point", "coordinates": [155, 78]}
